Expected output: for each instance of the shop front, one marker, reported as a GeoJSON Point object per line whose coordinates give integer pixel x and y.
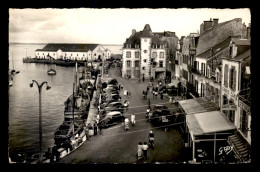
{"type": "Point", "coordinates": [208, 133]}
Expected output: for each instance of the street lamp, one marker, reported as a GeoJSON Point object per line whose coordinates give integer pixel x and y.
{"type": "Point", "coordinates": [40, 112]}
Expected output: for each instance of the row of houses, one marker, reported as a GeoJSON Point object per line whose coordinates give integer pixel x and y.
{"type": "Point", "coordinates": [215, 64]}
{"type": "Point", "coordinates": [73, 52]}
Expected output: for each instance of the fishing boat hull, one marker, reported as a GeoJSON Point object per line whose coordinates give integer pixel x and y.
{"type": "Point", "coordinates": [51, 72]}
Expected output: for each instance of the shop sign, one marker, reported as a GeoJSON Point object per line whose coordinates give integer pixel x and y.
{"type": "Point", "coordinates": [226, 150]}
{"type": "Point", "coordinates": [244, 106]}
{"type": "Point", "coordinates": [164, 119]}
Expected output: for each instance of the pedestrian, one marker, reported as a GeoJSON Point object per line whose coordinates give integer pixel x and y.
{"type": "Point", "coordinates": [145, 148]}
{"type": "Point", "coordinates": [156, 94]}
{"type": "Point", "coordinates": [125, 92]}
{"type": "Point", "coordinates": [161, 95]}
{"type": "Point", "coordinates": [95, 128]}
{"type": "Point", "coordinates": [87, 132]}
{"type": "Point", "coordinates": [147, 88]}
{"type": "Point", "coordinates": [119, 86]}
{"type": "Point", "coordinates": [98, 117]}
{"type": "Point", "coordinates": [100, 127]}
{"type": "Point", "coordinates": [143, 78]}
{"type": "Point", "coordinates": [139, 151]}
{"type": "Point", "coordinates": [149, 103]}
{"type": "Point", "coordinates": [129, 92]}
{"type": "Point", "coordinates": [133, 119]}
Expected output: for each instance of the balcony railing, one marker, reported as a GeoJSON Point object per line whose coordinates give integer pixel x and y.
{"type": "Point", "coordinates": [245, 96]}
{"type": "Point", "coordinates": [198, 72]}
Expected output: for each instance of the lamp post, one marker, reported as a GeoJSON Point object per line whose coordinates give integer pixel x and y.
{"type": "Point", "coordinates": [40, 112]}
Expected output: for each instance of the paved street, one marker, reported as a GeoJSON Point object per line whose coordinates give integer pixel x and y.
{"type": "Point", "coordinates": [115, 145]}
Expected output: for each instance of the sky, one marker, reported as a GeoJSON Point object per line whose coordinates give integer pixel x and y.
{"type": "Point", "coordinates": [108, 26]}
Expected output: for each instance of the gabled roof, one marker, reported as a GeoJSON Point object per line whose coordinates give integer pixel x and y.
{"type": "Point", "coordinates": [220, 46]}
{"type": "Point", "coordinates": [147, 27]}
{"type": "Point", "coordinates": [146, 33]}
{"type": "Point", "coordinates": [215, 27]}
{"type": "Point", "coordinates": [69, 47]}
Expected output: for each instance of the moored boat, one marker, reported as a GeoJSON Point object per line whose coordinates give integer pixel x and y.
{"type": "Point", "coordinates": [51, 72]}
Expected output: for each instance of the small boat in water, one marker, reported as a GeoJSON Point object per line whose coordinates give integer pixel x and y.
{"type": "Point", "coordinates": [51, 72]}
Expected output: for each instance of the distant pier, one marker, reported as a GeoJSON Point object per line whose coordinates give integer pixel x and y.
{"type": "Point", "coordinates": [54, 61]}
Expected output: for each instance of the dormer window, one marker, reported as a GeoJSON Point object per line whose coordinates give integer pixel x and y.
{"type": "Point", "coordinates": [128, 45]}
{"type": "Point", "coordinates": [136, 46]}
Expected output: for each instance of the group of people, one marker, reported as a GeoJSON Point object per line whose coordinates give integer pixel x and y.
{"type": "Point", "coordinates": [142, 148]}
{"type": "Point", "coordinates": [127, 122]}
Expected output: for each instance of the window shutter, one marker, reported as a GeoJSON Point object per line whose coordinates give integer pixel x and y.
{"type": "Point", "coordinates": [230, 78]}
{"type": "Point", "coordinates": [226, 75]}
{"type": "Point", "coordinates": [234, 79]}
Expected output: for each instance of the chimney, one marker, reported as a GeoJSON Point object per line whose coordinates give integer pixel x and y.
{"type": "Point", "coordinates": [133, 31]}
{"type": "Point", "coordinates": [208, 24]}
{"type": "Point", "coordinates": [249, 31]}
{"type": "Point", "coordinates": [201, 28]}
{"type": "Point", "coordinates": [215, 22]}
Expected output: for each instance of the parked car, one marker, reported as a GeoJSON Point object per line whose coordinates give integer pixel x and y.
{"type": "Point", "coordinates": [161, 114]}
{"type": "Point", "coordinates": [107, 102]}
{"type": "Point", "coordinates": [110, 96]}
{"type": "Point", "coordinates": [115, 106]}
{"type": "Point", "coordinates": [110, 91]}
{"type": "Point", "coordinates": [111, 86]}
{"type": "Point", "coordinates": [112, 118]}
{"type": "Point", "coordinates": [112, 81]}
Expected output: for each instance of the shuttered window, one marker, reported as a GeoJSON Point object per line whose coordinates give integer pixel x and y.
{"type": "Point", "coordinates": [128, 63]}
{"type": "Point", "coordinates": [128, 54]}
{"type": "Point", "coordinates": [137, 54]}
{"type": "Point", "coordinates": [234, 80]}
{"type": "Point", "coordinates": [226, 75]}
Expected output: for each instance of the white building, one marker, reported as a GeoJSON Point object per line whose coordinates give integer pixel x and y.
{"type": "Point", "coordinates": [144, 55]}
{"type": "Point", "coordinates": [73, 52]}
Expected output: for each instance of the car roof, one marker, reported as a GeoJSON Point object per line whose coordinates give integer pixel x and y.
{"type": "Point", "coordinates": [113, 113]}
{"type": "Point", "coordinates": [160, 105]}
{"type": "Point", "coordinates": [114, 102]}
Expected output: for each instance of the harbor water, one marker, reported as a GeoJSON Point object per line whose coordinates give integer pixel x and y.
{"type": "Point", "coordinates": [23, 126]}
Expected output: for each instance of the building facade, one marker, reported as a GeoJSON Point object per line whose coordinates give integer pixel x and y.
{"type": "Point", "coordinates": [144, 55]}
{"type": "Point", "coordinates": [210, 46]}
{"type": "Point", "coordinates": [73, 52]}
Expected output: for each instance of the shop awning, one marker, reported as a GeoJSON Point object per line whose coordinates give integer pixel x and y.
{"type": "Point", "coordinates": [198, 105]}
{"type": "Point", "coordinates": [174, 83]}
{"type": "Point", "coordinates": [208, 122]}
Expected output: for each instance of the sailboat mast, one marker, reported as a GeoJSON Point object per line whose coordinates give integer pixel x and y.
{"type": "Point", "coordinates": [73, 106]}
{"type": "Point", "coordinates": [76, 77]}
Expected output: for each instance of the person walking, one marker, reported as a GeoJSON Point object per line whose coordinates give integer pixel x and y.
{"type": "Point", "coordinates": [143, 78]}
{"type": "Point", "coordinates": [139, 151]}
{"type": "Point", "coordinates": [133, 119]}
{"type": "Point", "coordinates": [129, 92]}
{"type": "Point", "coordinates": [161, 95]}
{"type": "Point", "coordinates": [100, 127]}
{"type": "Point", "coordinates": [98, 118]}
{"type": "Point", "coordinates": [145, 148]}
{"type": "Point", "coordinates": [95, 128]}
